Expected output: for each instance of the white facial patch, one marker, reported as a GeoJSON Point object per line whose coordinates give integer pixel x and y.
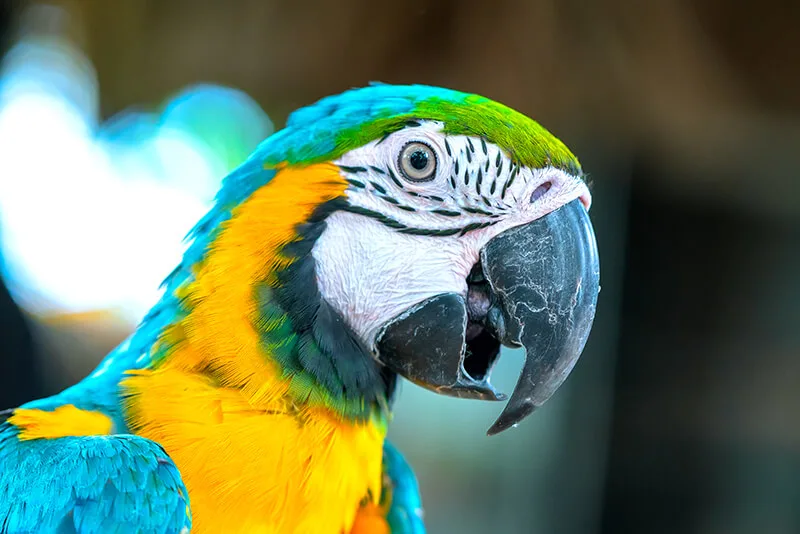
{"type": "Point", "coordinates": [370, 273]}
{"type": "Point", "coordinates": [404, 241]}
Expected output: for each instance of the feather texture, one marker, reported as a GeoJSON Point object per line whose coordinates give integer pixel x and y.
{"type": "Point", "coordinates": [295, 464]}
{"type": "Point", "coordinates": [89, 484]}
{"type": "Point", "coordinates": [340, 123]}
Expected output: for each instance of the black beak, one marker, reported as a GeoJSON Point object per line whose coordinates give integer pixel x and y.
{"type": "Point", "coordinates": [546, 277]}
{"type": "Point", "coordinates": [536, 287]}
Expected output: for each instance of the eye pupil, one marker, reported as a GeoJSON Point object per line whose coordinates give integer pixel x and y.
{"type": "Point", "coordinates": [418, 159]}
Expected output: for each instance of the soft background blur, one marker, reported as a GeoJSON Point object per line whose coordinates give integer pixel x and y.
{"type": "Point", "coordinates": [119, 118]}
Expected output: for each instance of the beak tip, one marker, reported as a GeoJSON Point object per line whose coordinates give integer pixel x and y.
{"type": "Point", "coordinates": [493, 431]}
{"type": "Point", "coordinates": [510, 418]}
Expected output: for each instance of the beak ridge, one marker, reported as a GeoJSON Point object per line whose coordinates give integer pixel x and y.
{"type": "Point", "coordinates": [546, 276]}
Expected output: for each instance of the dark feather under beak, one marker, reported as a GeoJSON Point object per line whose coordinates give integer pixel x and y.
{"type": "Point", "coordinates": [535, 287]}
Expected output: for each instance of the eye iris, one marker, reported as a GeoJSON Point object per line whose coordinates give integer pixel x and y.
{"type": "Point", "coordinates": [419, 159]}
{"type": "Point", "coordinates": [417, 162]}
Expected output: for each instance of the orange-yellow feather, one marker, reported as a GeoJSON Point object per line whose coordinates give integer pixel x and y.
{"type": "Point", "coordinates": [66, 420]}
{"type": "Point", "coordinates": [252, 460]}
{"type": "Point", "coordinates": [371, 519]}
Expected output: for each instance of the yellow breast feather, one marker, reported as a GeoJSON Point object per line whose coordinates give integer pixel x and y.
{"type": "Point", "coordinates": [252, 459]}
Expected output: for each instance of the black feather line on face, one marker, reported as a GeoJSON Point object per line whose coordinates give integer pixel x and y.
{"type": "Point", "coordinates": [509, 183]}
{"type": "Point", "coordinates": [478, 211]}
{"type": "Point", "coordinates": [390, 200]}
{"type": "Point", "coordinates": [476, 226]}
{"type": "Point", "coordinates": [352, 170]}
{"type": "Point", "coordinates": [378, 216]}
{"type": "Point", "coordinates": [397, 182]}
{"type": "Point", "coordinates": [447, 213]}
{"type": "Point", "coordinates": [402, 228]}
{"type": "Point", "coordinates": [356, 183]}
{"type": "Point", "coordinates": [431, 233]}
{"type": "Point", "coordinates": [327, 349]}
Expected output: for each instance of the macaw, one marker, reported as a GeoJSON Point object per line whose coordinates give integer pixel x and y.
{"type": "Point", "coordinates": [386, 231]}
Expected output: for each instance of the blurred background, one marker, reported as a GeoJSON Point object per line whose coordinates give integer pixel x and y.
{"type": "Point", "coordinates": [118, 120]}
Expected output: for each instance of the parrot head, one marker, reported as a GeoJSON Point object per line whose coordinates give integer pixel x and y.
{"type": "Point", "coordinates": [462, 226]}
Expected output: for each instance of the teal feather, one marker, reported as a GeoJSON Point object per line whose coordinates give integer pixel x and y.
{"type": "Point", "coordinates": [405, 511]}
{"type": "Point", "coordinates": [89, 484]}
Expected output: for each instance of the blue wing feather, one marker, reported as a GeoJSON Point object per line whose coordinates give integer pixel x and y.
{"type": "Point", "coordinates": [405, 511]}
{"type": "Point", "coordinates": [89, 484]}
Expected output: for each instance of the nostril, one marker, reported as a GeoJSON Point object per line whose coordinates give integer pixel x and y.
{"type": "Point", "coordinates": [540, 191]}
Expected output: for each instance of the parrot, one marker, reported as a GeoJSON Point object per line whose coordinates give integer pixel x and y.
{"type": "Point", "coordinates": [386, 232]}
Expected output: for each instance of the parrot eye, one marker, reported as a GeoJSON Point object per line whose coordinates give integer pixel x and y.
{"type": "Point", "coordinates": [417, 162]}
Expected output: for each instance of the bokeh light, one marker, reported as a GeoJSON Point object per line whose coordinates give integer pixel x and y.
{"type": "Point", "coordinates": [92, 215]}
